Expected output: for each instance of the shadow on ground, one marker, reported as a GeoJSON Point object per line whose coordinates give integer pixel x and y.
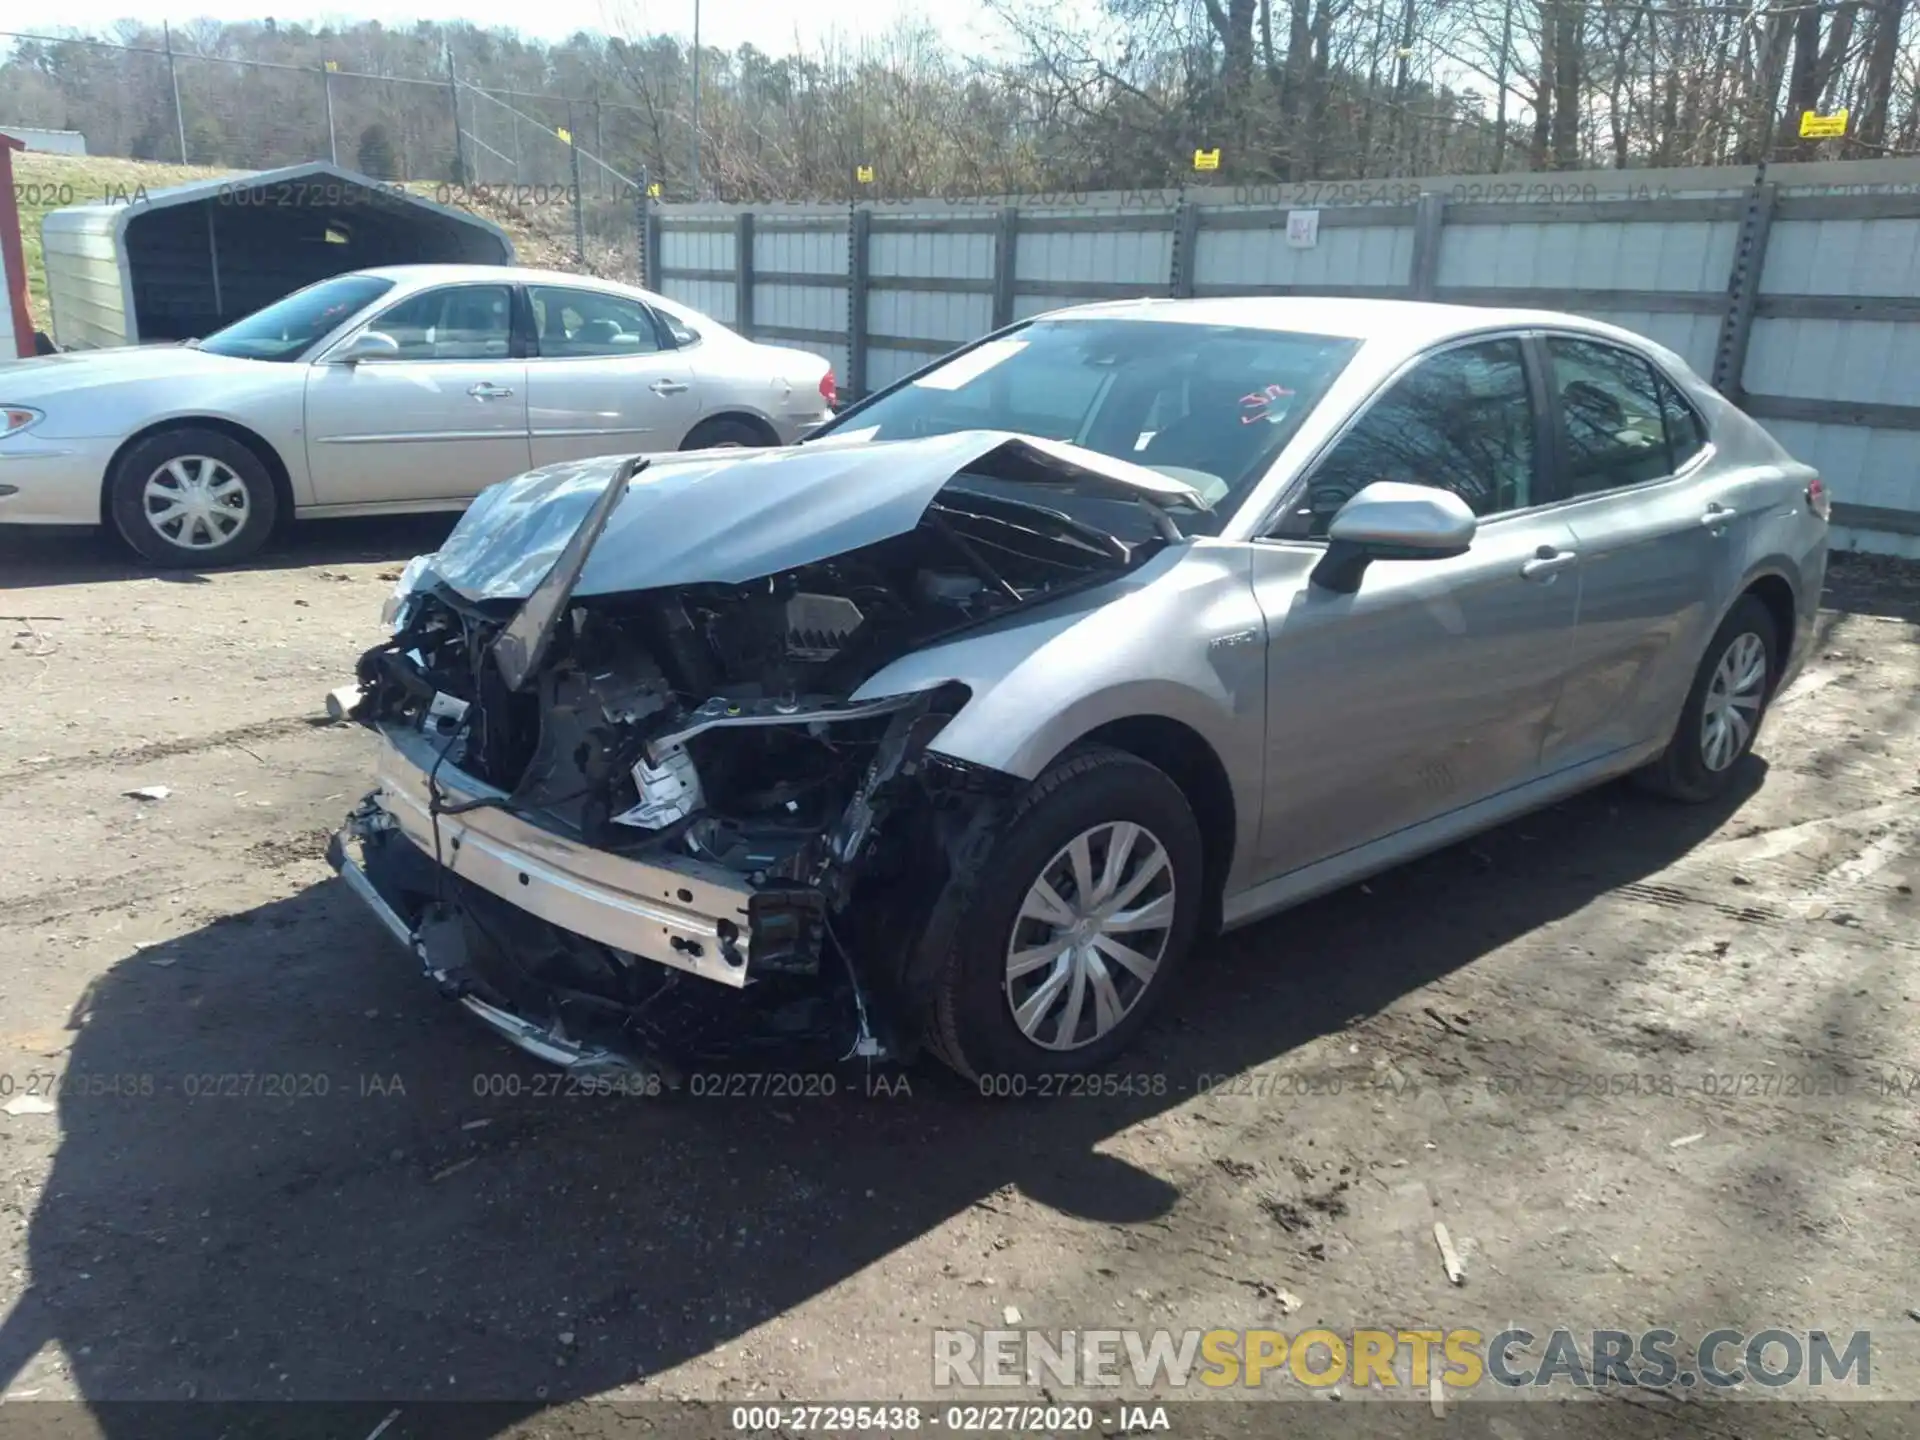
{"type": "Point", "coordinates": [31, 558]}
{"type": "Point", "coordinates": [341, 1233]}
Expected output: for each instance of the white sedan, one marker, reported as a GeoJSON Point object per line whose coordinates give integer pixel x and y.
{"type": "Point", "coordinates": [408, 388]}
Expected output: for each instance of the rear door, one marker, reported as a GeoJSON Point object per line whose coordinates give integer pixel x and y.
{"type": "Point", "coordinates": [439, 419]}
{"type": "Point", "coordinates": [603, 378]}
{"type": "Point", "coordinates": [1431, 686]}
{"type": "Point", "coordinates": [1655, 543]}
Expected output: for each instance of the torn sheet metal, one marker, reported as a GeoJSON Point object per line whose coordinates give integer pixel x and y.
{"type": "Point", "coordinates": [728, 517]}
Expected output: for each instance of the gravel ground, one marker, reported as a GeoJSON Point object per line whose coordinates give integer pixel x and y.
{"type": "Point", "coordinates": [1649, 1065]}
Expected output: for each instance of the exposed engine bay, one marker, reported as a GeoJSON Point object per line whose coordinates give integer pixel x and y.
{"type": "Point", "coordinates": [702, 733]}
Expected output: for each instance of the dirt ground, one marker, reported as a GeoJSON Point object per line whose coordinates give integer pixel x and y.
{"type": "Point", "coordinates": [1449, 1042]}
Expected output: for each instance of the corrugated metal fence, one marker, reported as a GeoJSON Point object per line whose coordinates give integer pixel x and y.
{"type": "Point", "coordinates": [1798, 296]}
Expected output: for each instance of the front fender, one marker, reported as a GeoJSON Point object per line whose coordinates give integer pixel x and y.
{"type": "Point", "coordinates": [999, 730]}
{"type": "Point", "coordinates": [271, 406]}
{"type": "Point", "coordinates": [1181, 639]}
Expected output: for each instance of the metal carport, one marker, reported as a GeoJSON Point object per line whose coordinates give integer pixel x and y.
{"type": "Point", "coordinates": [177, 263]}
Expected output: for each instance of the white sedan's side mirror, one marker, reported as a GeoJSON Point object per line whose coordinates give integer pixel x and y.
{"type": "Point", "coordinates": [369, 345]}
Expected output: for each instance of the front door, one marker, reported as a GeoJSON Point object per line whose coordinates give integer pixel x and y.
{"type": "Point", "coordinates": [440, 417]}
{"type": "Point", "coordinates": [1433, 684]}
{"type": "Point", "coordinates": [1656, 546]}
{"type": "Point", "coordinates": [600, 381]}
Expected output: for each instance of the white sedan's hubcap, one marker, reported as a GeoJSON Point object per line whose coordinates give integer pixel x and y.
{"type": "Point", "coordinates": [195, 502]}
{"type": "Point", "coordinates": [1090, 935]}
{"type": "Point", "coordinates": [1734, 695]}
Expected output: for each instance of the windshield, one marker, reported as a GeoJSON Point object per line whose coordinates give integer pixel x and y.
{"type": "Point", "coordinates": [1209, 404]}
{"type": "Point", "coordinates": [288, 327]}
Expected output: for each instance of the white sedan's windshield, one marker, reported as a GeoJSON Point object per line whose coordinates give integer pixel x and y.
{"type": "Point", "coordinates": [1210, 404]}
{"type": "Point", "coordinates": [288, 327]}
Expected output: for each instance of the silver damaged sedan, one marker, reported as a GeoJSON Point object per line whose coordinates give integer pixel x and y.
{"type": "Point", "coordinates": [408, 388]}
{"type": "Point", "coordinates": [957, 724]}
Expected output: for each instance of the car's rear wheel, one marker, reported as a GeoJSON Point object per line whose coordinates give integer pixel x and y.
{"type": "Point", "coordinates": [1724, 708]}
{"type": "Point", "coordinates": [725, 434]}
{"type": "Point", "coordinates": [192, 498]}
{"type": "Point", "coordinates": [1076, 924]}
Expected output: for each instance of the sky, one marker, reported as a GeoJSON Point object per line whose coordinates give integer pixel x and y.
{"type": "Point", "coordinates": [778, 28]}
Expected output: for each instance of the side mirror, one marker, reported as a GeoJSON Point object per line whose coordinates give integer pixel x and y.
{"type": "Point", "coordinates": [1391, 521]}
{"type": "Point", "coordinates": [369, 345]}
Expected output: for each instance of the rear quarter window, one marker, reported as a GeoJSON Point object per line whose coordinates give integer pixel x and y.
{"type": "Point", "coordinates": [1686, 431]}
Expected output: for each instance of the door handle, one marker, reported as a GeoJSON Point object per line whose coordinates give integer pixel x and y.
{"type": "Point", "coordinates": [1716, 516]}
{"type": "Point", "coordinates": [486, 391]}
{"type": "Point", "coordinates": [1547, 563]}
{"type": "Point", "coordinates": [667, 387]}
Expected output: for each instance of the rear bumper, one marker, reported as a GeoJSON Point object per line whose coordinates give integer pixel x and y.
{"type": "Point", "coordinates": [796, 425]}
{"type": "Point", "coordinates": [1796, 661]}
{"type": "Point", "coordinates": [693, 917]}
{"type": "Point", "coordinates": [1807, 611]}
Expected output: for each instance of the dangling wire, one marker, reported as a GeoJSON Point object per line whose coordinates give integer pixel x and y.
{"type": "Point", "coordinates": [434, 807]}
{"type": "Point", "coordinates": [859, 996]}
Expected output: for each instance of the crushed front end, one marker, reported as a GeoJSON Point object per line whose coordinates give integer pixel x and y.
{"type": "Point", "coordinates": [650, 829]}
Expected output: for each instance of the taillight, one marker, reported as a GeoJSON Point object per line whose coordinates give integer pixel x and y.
{"type": "Point", "coordinates": [829, 391]}
{"type": "Point", "coordinates": [1817, 497]}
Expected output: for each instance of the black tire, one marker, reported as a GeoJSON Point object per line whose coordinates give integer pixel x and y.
{"type": "Point", "coordinates": [128, 507]}
{"type": "Point", "coordinates": [972, 1027]}
{"type": "Point", "coordinates": [722, 432]}
{"type": "Point", "coordinates": [1683, 771]}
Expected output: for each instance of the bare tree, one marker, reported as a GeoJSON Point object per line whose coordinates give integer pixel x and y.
{"type": "Point", "coordinates": [1876, 90]}
{"type": "Point", "coordinates": [1109, 95]}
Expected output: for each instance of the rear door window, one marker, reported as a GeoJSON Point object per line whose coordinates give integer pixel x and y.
{"type": "Point", "coordinates": [1613, 416]}
{"type": "Point", "coordinates": [588, 324]}
{"type": "Point", "coordinates": [1686, 432]}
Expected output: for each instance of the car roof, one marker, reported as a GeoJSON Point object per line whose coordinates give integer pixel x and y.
{"type": "Point", "coordinates": [1413, 323]}
{"type": "Point", "coordinates": [1397, 326]}
{"type": "Point", "coordinates": [1360, 319]}
{"type": "Point", "coordinates": [502, 274]}
{"type": "Point", "coordinates": [421, 277]}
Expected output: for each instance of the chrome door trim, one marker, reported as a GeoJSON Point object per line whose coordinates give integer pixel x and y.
{"type": "Point", "coordinates": [415, 435]}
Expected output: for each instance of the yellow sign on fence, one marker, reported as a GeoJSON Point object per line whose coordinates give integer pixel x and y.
{"type": "Point", "coordinates": [653, 190]}
{"type": "Point", "coordinates": [1206, 159]}
{"type": "Point", "coordinates": [864, 174]}
{"type": "Point", "coordinates": [566, 136]}
{"type": "Point", "coordinates": [1822, 127]}
{"type": "Point", "coordinates": [332, 65]}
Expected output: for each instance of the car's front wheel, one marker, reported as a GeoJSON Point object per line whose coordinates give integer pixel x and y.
{"type": "Point", "coordinates": [192, 498]}
{"type": "Point", "coordinates": [1076, 924]}
{"type": "Point", "coordinates": [1724, 707]}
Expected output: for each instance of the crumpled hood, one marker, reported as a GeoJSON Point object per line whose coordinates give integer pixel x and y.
{"type": "Point", "coordinates": [730, 516]}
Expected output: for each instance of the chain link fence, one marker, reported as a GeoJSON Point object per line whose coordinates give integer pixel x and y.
{"type": "Point", "coordinates": [533, 163]}
{"type": "Point", "coordinates": [389, 128]}
{"type": "Point", "coordinates": [527, 161]}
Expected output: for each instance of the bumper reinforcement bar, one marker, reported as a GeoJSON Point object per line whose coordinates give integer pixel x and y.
{"type": "Point", "coordinates": [543, 1045]}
